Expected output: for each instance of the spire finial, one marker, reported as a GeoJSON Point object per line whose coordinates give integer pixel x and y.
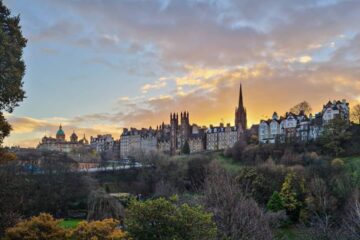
{"type": "Point", "coordinates": [241, 103]}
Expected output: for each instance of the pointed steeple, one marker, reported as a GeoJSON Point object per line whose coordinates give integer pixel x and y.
{"type": "Point", "coordinates": [241, 103]}
{"type": "Point", "coordinates": [240, 112]}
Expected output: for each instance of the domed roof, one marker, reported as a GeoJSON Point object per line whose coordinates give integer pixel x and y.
{"type": "Point", "coordinates": [73, 135]}
{"type": "Point", "coordinates": [60, 132]}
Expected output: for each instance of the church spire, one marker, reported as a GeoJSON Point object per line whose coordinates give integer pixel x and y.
{"type": "Point", "coordinates": [241, 103]}
{"type": "Point", "coordinates": [240, 113]}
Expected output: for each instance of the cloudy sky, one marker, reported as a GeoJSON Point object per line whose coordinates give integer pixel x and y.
{"type": "Point", "coordinates": [97, 66]}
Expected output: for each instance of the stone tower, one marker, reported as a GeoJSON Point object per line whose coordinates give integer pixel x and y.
{"type": "Point", "coordinates": [174, 125]}
{"type": "Point", "coordinates": [240, 113]}
{"type": "Point", "coordinates": [185, 129]}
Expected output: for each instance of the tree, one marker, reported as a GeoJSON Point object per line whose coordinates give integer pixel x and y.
{"type": "Point", "coordinates": [186, 148]}
{"type": "Point", "coordinates": [42, 227]}
{"type": "Point", "coordinates": [236, 216]}
{"type": "Point", "coordinates": [320, 205]}
{"type": "Point", "coordinates": [162, 219]}
{"type": "Point", "coordinates": [301, 107]}
{"type": "Point", "coordinates": [355, 114]}
{"type": "Point", "coordinates": [102, 206]}
{"type": "Point", "coordinates": [292, 195]}
{"type": "Point", "coordinates": [237, 150]}
{"type": "Point", "coordinates": [334, 136]}
{"type": "Point", "coordinates": [100, 230]}
{"type": "Point", "coordinates": [351, 225]}
{"type": "Point", "coordinates": [275, 202]}
{"type": "Point", "coordinates": [12, 67]}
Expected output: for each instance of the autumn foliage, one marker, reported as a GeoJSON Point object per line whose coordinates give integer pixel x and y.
{"type": "Point", "coordinates": [45, 227]}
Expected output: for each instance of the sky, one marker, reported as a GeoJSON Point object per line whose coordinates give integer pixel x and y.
{"type": "Point", "coordinates": [98, 66]}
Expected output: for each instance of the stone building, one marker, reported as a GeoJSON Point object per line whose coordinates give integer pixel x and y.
{"type": "Point", "coordinates": [300, 127]}
{"type": "Point", "coordinates": [137, 139]}
{"type": "Point", "coordinates": [168, 139]}
{"type": "Point", "coordinates": [102, 143]}
{"type": "Point", "coordinates": [171, 138]}
{"type": "Point", "coordinates": [221, 137]}
{"type": "Point", "coordinates": [59, 143]}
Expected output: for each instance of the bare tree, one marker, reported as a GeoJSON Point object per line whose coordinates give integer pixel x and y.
{"type": "Point", "coordinates": [351, 226]}
{"type": "Point", "coordinates": [102, 206]}
{"type": "Point", "coordinates": [301, 107]}
{"type": "Point", "coordinates": [355, 114]}
{"type": "Point", "coordinates": [321, 204]}
{"type": "Point", "coordinates": [237, 217]}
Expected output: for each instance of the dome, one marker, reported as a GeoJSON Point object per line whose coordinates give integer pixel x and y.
{"type": "Point", "coordinates": [60, 135]}
{"type": "Point", "coordinates": [73, 135]}
{"type": "Point", "coordinates": [60, 132]}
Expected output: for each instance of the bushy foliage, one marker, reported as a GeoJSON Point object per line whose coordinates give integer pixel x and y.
{"type": "Point", "coordinates": [292, 195]}
{"type": "Point", "coordinates": [45, 227]}
{"type": "Point", "coordinates": [162, 219]}
{"type": "Point", "coordinates": [334, 137]}
{"type": "Point", "coordinates": [42, 227]}
{"type": "Point", "coordinates": [275, 203]}
{"type": "Point", "coordinates": [12, 67]}
{"type": "Point", "coordinates": [100, 230]}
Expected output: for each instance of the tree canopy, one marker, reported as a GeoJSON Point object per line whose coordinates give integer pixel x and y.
{"type": "Point", "coordinates": [162, 219]}
{"type": "Point", "coordinates": [355, 114]}
{"type": "Point", "coordinates": [12, 67]}
{"type": "Point", "coordinates": [301, 107]}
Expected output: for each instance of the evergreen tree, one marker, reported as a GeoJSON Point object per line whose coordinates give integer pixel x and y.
{"type": "Point", "coordinates": [292, 195]}
{"type": "Point", "coordinates": [12, 67]}
{"type": "Point", "coordinates": [275, 203]}
{"type": "Point", "coordinates": [186, 148]}
{"type": "Point", "coordinates": [334, 137]}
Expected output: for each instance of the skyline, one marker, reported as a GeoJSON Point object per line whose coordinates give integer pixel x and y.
{"type": "Point", "coordinates": [96, 67]}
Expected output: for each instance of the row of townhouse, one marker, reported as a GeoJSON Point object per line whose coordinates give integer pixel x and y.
{"type": "Point", "coordinates": [301, 127]}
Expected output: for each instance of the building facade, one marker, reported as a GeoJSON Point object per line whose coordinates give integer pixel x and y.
{"type": "Point", "coordinates": [221, 137]}
{"type": "Point", "coordinates": [168, 139]}
{"type": "Point", "coordinates": [59, 143]}
{"type": "Point", "coordinates": [171, 138]}
{"type": "Point", "coordinates": [102, 143]}
{"type": "Point", "coordinates": [300, 127]}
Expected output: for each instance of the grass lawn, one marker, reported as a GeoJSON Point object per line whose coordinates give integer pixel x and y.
{"type": "Point", "coordinates": [289, 233]}
{"type": "Point", "coordinates": [228, 163]}
{"type": "Point", "coordinates": [352, 165]}
{"type": "Point", "coordinates": [70, 223]}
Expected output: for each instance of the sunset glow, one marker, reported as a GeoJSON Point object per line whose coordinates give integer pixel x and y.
{"type": "Point", "coordinates": [97, 67]}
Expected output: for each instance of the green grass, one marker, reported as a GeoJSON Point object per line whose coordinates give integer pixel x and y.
{"type": "Point", "coordinates": [227, 163]}
{"type": "Point", "coordinates": [69, 223]}
{"type": "Point", "coordinates": [289, 233]}
{"type": "Point", "coordinates": [352, 166]}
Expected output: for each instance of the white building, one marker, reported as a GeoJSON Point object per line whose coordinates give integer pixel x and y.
{"type": "Point", "coordinates": [300, 127]}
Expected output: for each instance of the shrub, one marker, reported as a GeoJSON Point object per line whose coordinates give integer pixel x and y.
{"type": "Point", "coordinates": [42, 227]}
{"type": "Point", "coordinates": [162, 219]}
{"type": "Point", "coordinates": [99, 230]}
{"type": "Point", "coordinates": [275, 203]}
